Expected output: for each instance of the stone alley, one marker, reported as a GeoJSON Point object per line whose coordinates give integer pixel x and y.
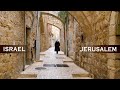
{"type": "Point", "coordinates": [39, 30]}
{"type": "Point", "coordinates": [50, 67]}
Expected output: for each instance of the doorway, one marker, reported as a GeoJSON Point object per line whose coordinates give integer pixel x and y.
{"type": "Point", "coordinates": [28, 49]}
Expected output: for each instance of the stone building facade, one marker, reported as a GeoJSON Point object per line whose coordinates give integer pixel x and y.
{"type": "Point", "coordinates": [72, 33]}
{"type": "Point", "coordinates": [17, 28]}
{"type": "Point", "coordinates": [11, 33]}
{"type": "Point", "coordinates": [33, 29]}
{"type": "Point", "coordinates": [97, 28]}
{"type": "Point", "coordinates": [31, 32]}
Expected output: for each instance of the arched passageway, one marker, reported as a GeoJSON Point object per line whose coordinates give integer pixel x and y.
{"type": "Point", "coordinates": [47, 20]}
{"type": "Point", "coordinates": [76, 29]}
{"type": "Point", "coordinates": [80, 29]}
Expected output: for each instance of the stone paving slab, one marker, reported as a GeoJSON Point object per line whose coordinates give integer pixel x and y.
{"type": "Point", "coordinates": [43, 52]}
{"type": "Point", "coordinates": [31, 69]}
{"type": "Point", "coordinates": [68, 60]}
{"type": "Point", "coordinates": [42, 57]}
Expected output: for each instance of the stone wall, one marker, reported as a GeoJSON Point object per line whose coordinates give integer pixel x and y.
{"type": "Point", "coordinates": [44, 34]}
{"type": "Point", "coordinates": [95, 29]}
{"type": "Point", "coordinates": [71, 33]}
{"type": "Point", "coordinates": [114, 58]}
{"type": "Point", "coordinates": [11, 33]}
{"type": "Point", "coordinates": [17, 28]}
{"type": "Point", "coordinates": [49, 28]}
{"type": "Point", "coordinates": [31, 28]}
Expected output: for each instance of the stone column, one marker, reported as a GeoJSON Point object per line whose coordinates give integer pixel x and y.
{"type": "Point", "coordinates": [38, 37]}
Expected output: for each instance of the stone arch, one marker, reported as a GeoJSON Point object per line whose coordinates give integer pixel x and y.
{"type": "Point", "coordinates": [113, 58]}
{"type": "Point", "coordinates": [56, 21]}
{"type": "Point", "coordinates": [73, 16]}
{"type": "Point", "coordinates": [45, 13]}
{"type": "Point", "coordinates": [53, 42]}
{"type": "Point", "coordinates": [55, 25]}
{"type": "Point", "coordinates": [53, 20]}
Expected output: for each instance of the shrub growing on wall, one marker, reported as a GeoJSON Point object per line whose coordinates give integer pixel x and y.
{"type": "Point", "coordinates": [63, 15]}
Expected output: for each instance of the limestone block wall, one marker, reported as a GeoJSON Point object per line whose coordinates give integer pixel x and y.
{"type": "Point", "coordinates": [95, 28]}
{"type": "Point", "coordinates": [11, 33]}
{"type": "Point", "coordinates": [31, 28]}
{"type": "Point", "coordinates": [44, 34]}
{"type": "Point", "coordinates": [98, 36]}
{"type": "Point", "coordinates": [114, 58]}
{"type": "Point", "coordinates": [13, 25]}
{"type": "Point", "coordinates": [49, 28]}
{"type": "Point", "coordinates": [77, 41]}
{"type": "Point", "coordinates": [71, 33]}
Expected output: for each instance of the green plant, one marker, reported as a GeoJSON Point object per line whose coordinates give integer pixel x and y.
{"type": "Point", "coordinates": [63, 15]}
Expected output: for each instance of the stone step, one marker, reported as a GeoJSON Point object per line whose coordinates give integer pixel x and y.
{"type": "Point", "coordinates": [82, 75]}
{"type": "Point", "coordinates": [26, 66]}
{"type": "Point", "coordinates": [27, 76]}
{"type": "Point", "coordinates": [39, 61]}
{"type": "Point", "coordinates": [68, 62]}
{"type": "Point", "coordinates": [82, 78]}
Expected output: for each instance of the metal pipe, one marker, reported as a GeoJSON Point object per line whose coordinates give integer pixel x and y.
{"type": "Point", "coordinates": [24, 42]}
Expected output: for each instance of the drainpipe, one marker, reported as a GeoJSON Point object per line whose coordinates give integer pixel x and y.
{"type": "Point", "coordinates": [66, 29]}
{"type": "Point", "coordinates": [32, 25]}
{"type": "Point", "coordinates": [64, 38]}
{"type": "Point", "coordinates": [24, 42]}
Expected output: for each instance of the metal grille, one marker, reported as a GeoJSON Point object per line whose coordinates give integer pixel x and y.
{"type": "Point", "coordinates": [49, 65]}
{"type": "Point", "coordinates": [40, 68]}
{"type": "Point", "coordinates": [60, 58]}
{"type": "Point", "coordinates": [55, 65]}
{"type": "Point", "coordinates": [62, 65]}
